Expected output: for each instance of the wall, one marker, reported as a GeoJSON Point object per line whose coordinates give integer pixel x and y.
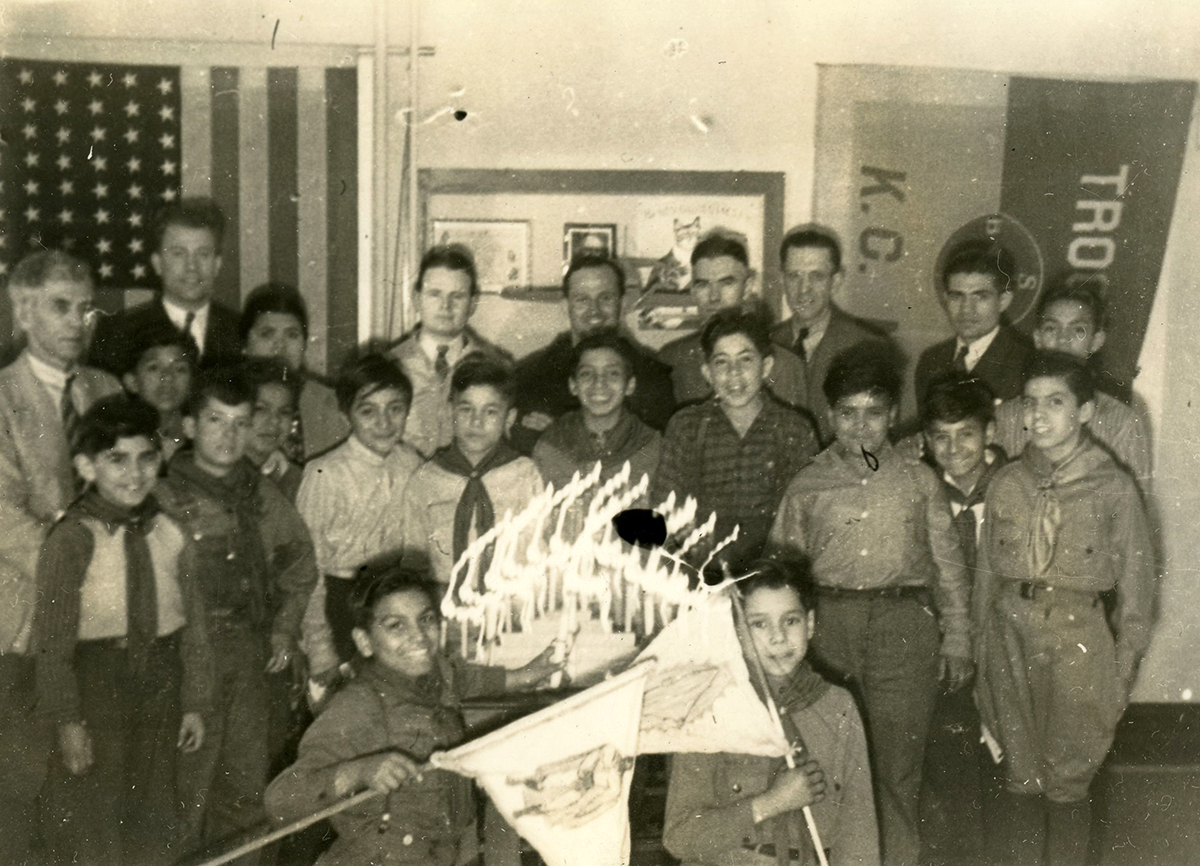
{"type": "Point", "coordinates": [708, 85]}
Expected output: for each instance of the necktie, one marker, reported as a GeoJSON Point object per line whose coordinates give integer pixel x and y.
{"type": "Point", "coordinates": [186, 330]}
{"type": "Point", "coordinates": [141, 592]}
{"type": "Point", "coordinates": [441, 366]}
{"type": "Point", "coordinates": [965, 524]}
{"type": "Point", "coordinates": [800, 350]}
{"type": "Point", "coordinates": [960, 359]}
{"type": "Point", "coordinates": [70, 415]}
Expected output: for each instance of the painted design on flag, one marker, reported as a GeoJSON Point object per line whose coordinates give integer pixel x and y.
{"type": "Point", "coordinates": [93, 151]}
{"type": "Point", "coordinates": [570, 792]}
{"type": "Point", "coordinates": [561, 776]}
{"type": "Point", "coordinates": [699, 697]}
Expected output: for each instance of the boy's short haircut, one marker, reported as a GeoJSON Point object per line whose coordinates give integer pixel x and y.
{"type": "Point", "coordinates": [452, 257]}
{"type": "Point", "coordinates": [272, 371]}
{"type": "Point", "coordinates": [193, 212]}
{"type": "Point", "coordinates": [748, 322]}
{"type": "Point", "coordinates": [718, 245]}
{"type": "Point", "coordinates": [1061, 365]}
{"type": "Point", "coordinates": [957, 397]}
{"type": "Point", "coordinates": [604, 338]}
{"type": "Point", "coordinates": [375, 583]}
{"type": "Point", "coordinates": [157, 336]}
{"type": "Point", "coordinates": [272, 298]}
{"type": "Point", "coordinates": [793, 571]}
{"type": "Point", "coordinates": [981, 257]}
{"type": "Point", "coordinates": [798, 239]}
{"type": "Point", "coordinates": [480, 369]}
{"type": "Point", "coordinates": [584, 260]}
{"type": "Point", "coordinates": [116, 417]}
{"type": "Point", "coordinates": [37, 269]}
{"type": "Point", "coordinates": [868, 368]}
{"type": "Point", "coordinates": [366, 374]}
{"type": "Point", "coordinates": [228, 385]}
{"type": "Point", "coordinates": [1079, 287]}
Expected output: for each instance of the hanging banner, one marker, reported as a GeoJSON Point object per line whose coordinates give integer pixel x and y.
{"type": "Point", "coordinates": [1068, 174]}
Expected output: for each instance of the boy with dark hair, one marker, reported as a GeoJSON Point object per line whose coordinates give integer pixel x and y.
{"type": "Point", "coordinates": [124, 669]}
{"type": "Point", "coordinates": [462, 490]}
{"type": "Point", "coordinates": [975, 289]}
{"type": "Point", "coordinates": [256, 570]}
{"type": "Point", "coordinates": [352, 501]}
{"type": "Point", "coordinates": [1070, 319]}
{"type": "Point", "coordinates": [276, 403]}
{"type": "Point", "coordinates": [603, 430]}
{"type": "Point", "coordinates": [403, 706]}
{"type": "Point", "coordinates": [736, 451]}
{"type": "Point", "coordinates": [187, 259]}
{"type": "Point", "coordinates": [734, 809]}
{"type": "Point", "coordinates": [818, 330]}
{"type": "Point", "coordinates": [721, 276]}
{"type": "Point", "coordinates": [42, 394]}
{"type": "Point", "coordinates": [446, 295]}
{"type": "Point", "coordinates": [161, 363]}
{"type": "Point", "coordinates": [594, 289]}
{"type": "Point", "coordinates": [958, 781]}
{"type": "Point", "coordinates": [885, 558]}
{"type": "Point", "coordinates": [1062, 525]}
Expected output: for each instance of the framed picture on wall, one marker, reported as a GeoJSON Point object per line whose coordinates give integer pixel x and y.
{"type": "Point", "coordinates": [500, 249]}
{"type": "Point", "coordinates": [598, 238]}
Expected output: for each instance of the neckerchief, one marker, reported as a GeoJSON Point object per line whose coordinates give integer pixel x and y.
{"type": "Point", "coordinates": [627, 437]}
{"type": "Point", "coordinates": [1047, 509]}
{"type": "Point", "coordinates": [141, 592]}
{"type": "Point", "coordinates": [475, 505]}
{"type": "Point", "coordinates": [238, 492]}
{"type": "Point", "coordinates": [965, 521]}
{"type": "Point", "coordinates": [800, 690]}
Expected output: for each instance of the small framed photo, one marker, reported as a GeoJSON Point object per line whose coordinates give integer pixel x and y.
{"type": "Point", "coordinates": [598, 238]}
{"type": "Point", "coordinates": [500, 249]}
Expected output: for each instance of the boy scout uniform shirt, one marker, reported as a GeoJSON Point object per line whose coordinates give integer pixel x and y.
{"type": "Point", "coordinates": [876, 529]}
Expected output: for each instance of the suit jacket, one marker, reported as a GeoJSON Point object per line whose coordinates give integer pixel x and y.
{"type": "Point", "coordinates": [843, 332]}
{"type": "Point", "coordinates": [1000, 367]}
{"type": "Point", "coordinates": [36, 483]}
{"type": "Point", "coordinates": [114, 337]}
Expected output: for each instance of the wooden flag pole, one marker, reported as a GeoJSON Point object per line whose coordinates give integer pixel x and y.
{"type": "Point", "coordinates": [757, 672]}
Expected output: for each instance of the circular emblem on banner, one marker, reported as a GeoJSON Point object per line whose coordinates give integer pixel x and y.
{"type": "Point", "coordinates": [1009, 233]}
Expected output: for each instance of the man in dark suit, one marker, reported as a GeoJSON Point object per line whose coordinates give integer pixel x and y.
{"type": "Point", "coordinates": [187, 259]}
{"type": "Point", "coordinates": [819, 329]}
{"type": "Point", "coordinates": [975, 290]}
{"type": "Point", "coordinates": [594, 286]}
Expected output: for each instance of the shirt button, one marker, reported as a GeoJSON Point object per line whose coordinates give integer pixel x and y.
{"type": "Point", "coordinates": [408, 839]}
{"type": "Point", "coordinates": [231, 555]}
{"type": "Point", "coordinates": [862, 552]}
{"type": "Point", "coordinates": [865, 514]}
{"type": "Point", "coordinates": [863, 482]}
{"type": "Point", "coordinates": [737, 789]}
{"type": "Point", "coordinates": [198, 536]}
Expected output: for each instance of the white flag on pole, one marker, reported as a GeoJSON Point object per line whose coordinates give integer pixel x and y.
{"type": "Point", "coordinates": [561, 776]}
{"type": "Point", "coordinates": [698, 696]}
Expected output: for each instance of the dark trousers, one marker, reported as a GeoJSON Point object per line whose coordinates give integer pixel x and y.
{"type": "Point", "coordinates": [124, 808]}
{"type": "Point", "coordinates": [24, 758]}
{"type": "Point", "coordinates": [887, 650]}
{"type": "Point", "coordinates": [222, 783]}
{"type": "Point", "coordinates": [958, 787]}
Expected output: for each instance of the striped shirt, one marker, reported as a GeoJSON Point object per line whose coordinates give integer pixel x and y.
{"type": "Point", "coordinates": [740, 478]}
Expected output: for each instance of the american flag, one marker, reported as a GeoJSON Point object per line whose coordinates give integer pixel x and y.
{"type": "Point", "coordinates": [90, 152]}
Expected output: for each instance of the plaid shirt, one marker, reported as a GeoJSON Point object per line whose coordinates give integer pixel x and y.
{"type": "Point", "coordinates": [867, 529]}
{"type": "Point", "coordinates": [741, 478]}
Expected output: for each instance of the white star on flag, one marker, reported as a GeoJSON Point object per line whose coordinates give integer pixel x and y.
{"type": "Point", "coordinates": [94, 79]}
{"type": "Point", "coordinates": [99, 162]}
{"type": "Point", "coordinates": [32, 159]}
{"type": "Point", "coordinates": [31, 187]}
{"type": "Point", "coordinates": [134, 220]}
{"type": "Point", "coordinates": [99, 133]}
{"type": "Point", "coordinates": [134, 165]}
{"type": "Point", "coordinates": [106, 270]}
{"type": "Point", "coordinates": [129, 80]}
{"type": "Point", "coordinates": [135, 245]}
{"type": "Point", "coordinates": [95, 106]}
{"type": "Point", "coordinates": [131, 135]}
{"type": "Point", "coordinates": [60, 78]}
{"type": "Point", "coordinates": [28, 105]}
{"type": "Point", "coordinates": [63, 162]}
{"type": "Point", "coordinates": [29, 131]}
{"type": "Point", "coordinates": [139, 271]}
{"type": "Point", "coordinates": [168, 167]}
{"type": "Point", "coordinates": [132, 109]}
{"type": "Point", "coordinates": [61, 106]}
{"type": "Point", "coordinates": [66, 216]}
{"type": "Point", "coordinates": [100, 190]}
{"type": "Point", "coordinates": [166, 140]}
{"type": "Point", "coordinates": [26, 76]}
{"type": "Point", "coordinates": [63, 135]}
{"type": "Point", "coordinates": [103, 245]}
{"type": "Point", "coordinates": [102, 216]}
{"type": "Point", "coordinates": [67, 187]}
{"type": "Point", "coordinates": [134, 191]}
{"type": "Point", "coordinates": [32, 213]}
{"type": "Point", "coordinates": [166, 113]}
{"type": "Point", "coordinates": [165, 86]}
